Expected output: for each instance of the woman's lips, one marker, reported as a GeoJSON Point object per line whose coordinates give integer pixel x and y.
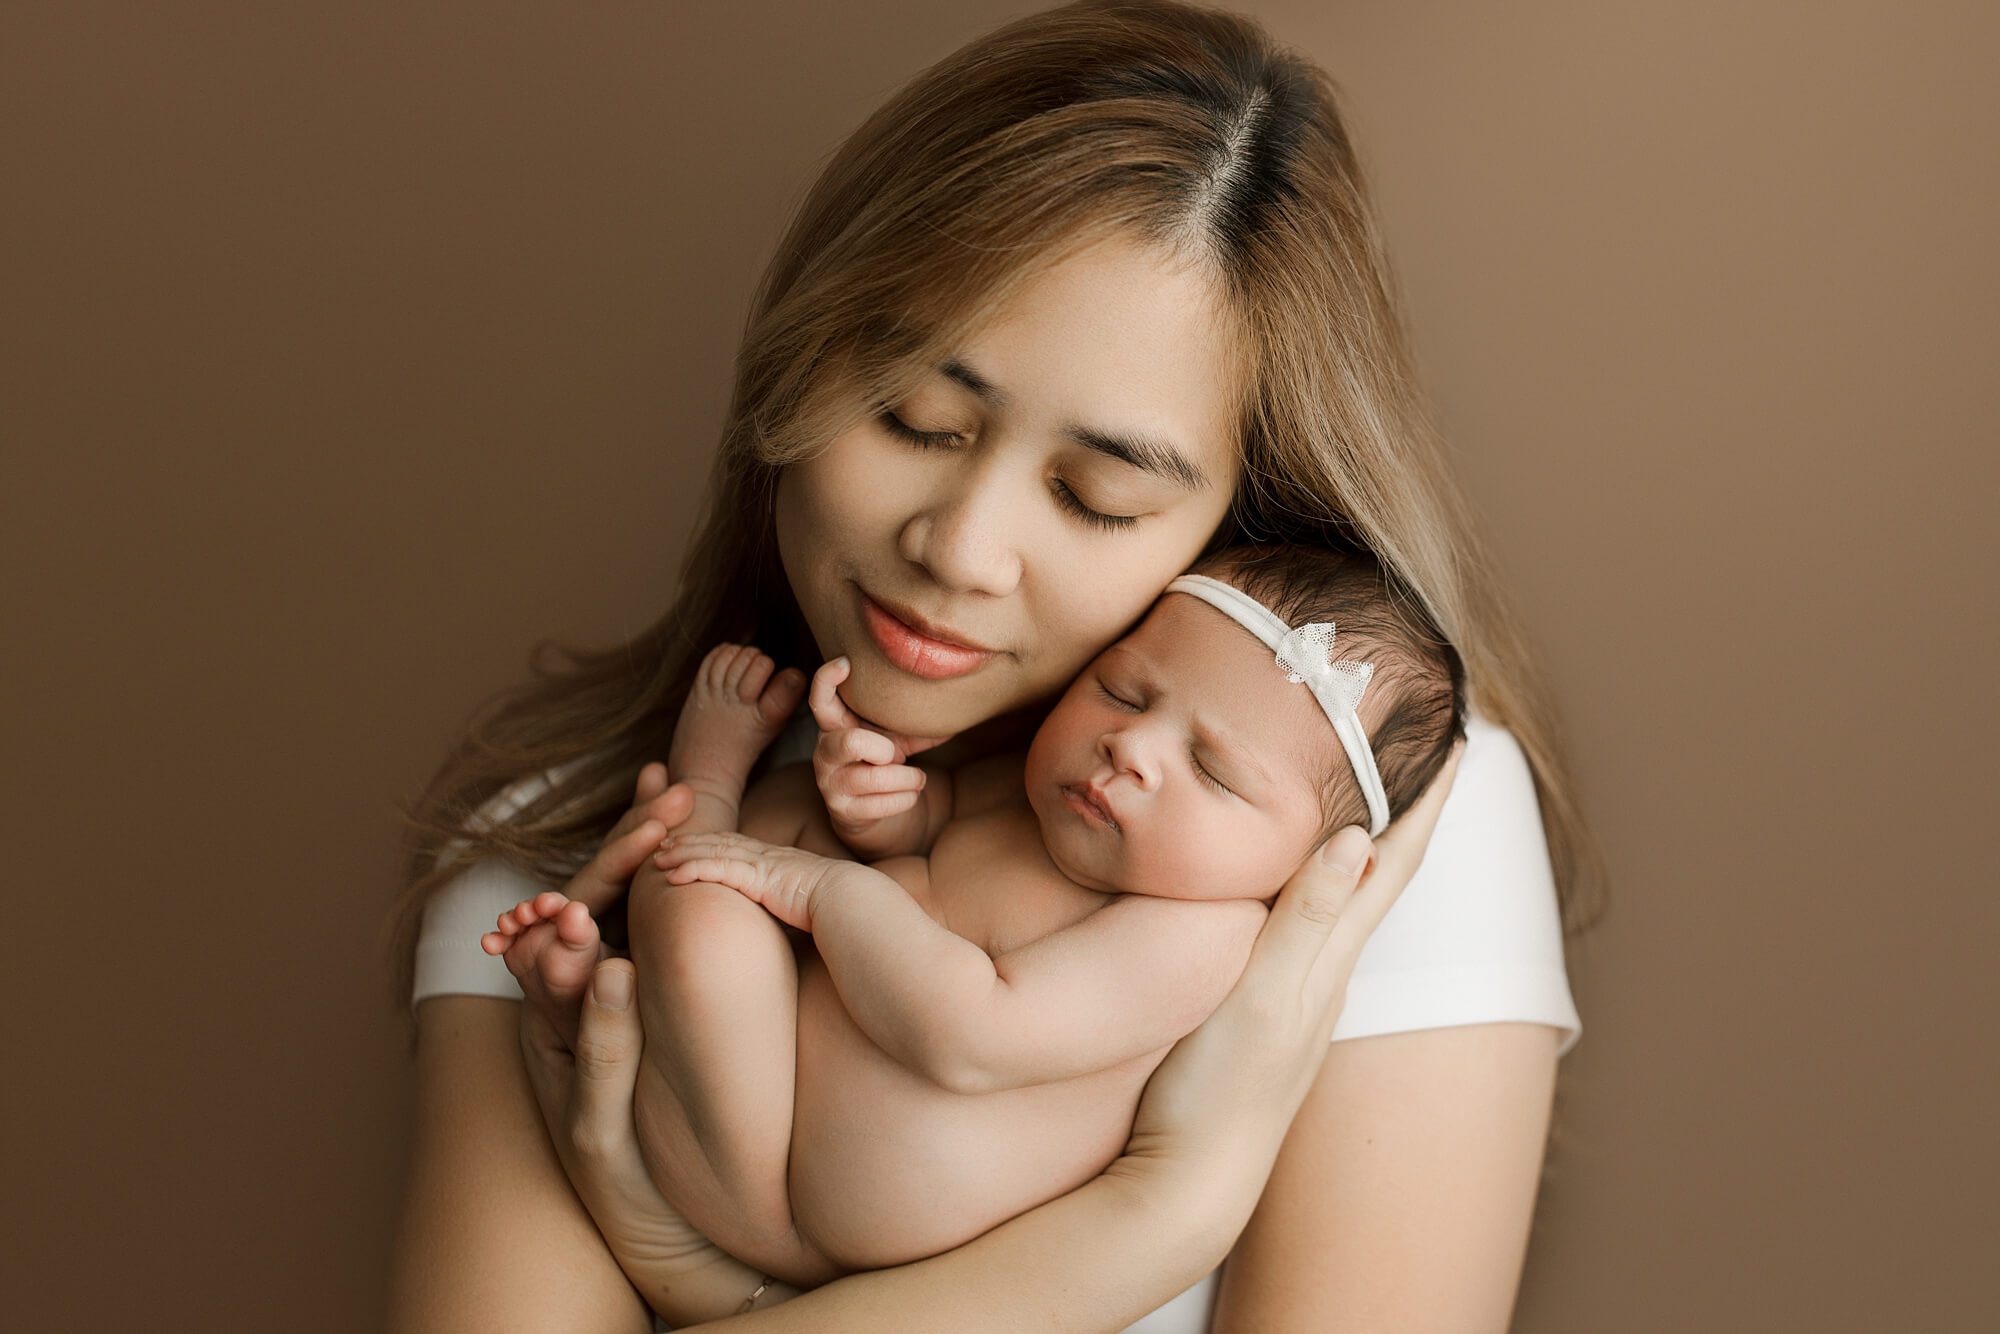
{"type": "Point", "coordinates": [1084, 803]}
{"type": "Point", "coordinates": [915, 652]}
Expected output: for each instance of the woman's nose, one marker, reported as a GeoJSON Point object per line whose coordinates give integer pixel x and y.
{"type": "Point", "coordinates": [966, 537]}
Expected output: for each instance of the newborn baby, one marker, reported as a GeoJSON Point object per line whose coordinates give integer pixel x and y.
{"type": "Point", "coordinates": [985, 999]}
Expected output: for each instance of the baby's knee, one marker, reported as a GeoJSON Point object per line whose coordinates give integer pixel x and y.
{"type": "Point", "coordinates": [699, 937]}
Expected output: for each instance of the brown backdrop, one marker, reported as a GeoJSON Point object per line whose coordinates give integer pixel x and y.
{"type": "Point", "coordinates": [350, 348]}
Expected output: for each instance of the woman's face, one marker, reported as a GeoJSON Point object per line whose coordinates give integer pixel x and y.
{"type": "Point", "coordinates": [1075, 456]}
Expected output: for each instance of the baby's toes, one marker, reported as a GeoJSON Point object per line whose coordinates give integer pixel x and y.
{"type": "Point", "coordinates": [732, 677]}
{"type": "Point", "coordinates": [715, 667]}
{"type": "Point", "coordinates": [781, 697]}
{"type": "Point", "coordinates": [753, 671]}
{"type": "Point", "coordinates": [566, 960]}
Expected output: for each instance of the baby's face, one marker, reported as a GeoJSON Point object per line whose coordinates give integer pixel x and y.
{"type": "Point", "coordinates": [1181, 763]}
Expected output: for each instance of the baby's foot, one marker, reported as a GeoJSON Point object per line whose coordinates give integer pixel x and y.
{"type": "Point", "coordinates": [737, 706]}
{"type": "Point", "coordinates": [551, 944]}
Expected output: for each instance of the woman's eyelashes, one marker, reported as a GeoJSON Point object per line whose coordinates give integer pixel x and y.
{"type": "Point", "coordinates": [1071, 502]}
{"type": "Point", "coordinates": [1066, 498]}
{"type": "Point", "coordinates": [921, 439]}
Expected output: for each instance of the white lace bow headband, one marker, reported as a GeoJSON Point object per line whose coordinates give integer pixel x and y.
{"type": "Point", "coordinates": [1304, 652]}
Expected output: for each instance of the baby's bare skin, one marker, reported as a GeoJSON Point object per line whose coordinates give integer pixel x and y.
{"type": "Point", "coordinates": [736, 706]}
{"type": "Point", "coordinates": [964, 1034]}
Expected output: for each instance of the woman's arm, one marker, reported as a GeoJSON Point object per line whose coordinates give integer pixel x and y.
{"type": "Point", "coordinates": [1435, 1135]}
{"type": "Point", "coordinates": [491, 1238]}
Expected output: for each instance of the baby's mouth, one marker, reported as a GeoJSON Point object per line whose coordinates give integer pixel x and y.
{"type": "Point", "coordinates": [1083, 802]}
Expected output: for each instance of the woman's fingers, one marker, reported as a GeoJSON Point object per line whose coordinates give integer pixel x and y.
{"type": "Point", "coordinates": [651, 783]}
{"type": "Point", "coordinates": [608, 1040]}
{"type": "Point", "coordinates": [585, 1092]}
{"type": "Point", "coordinates": [1309, 908]}
{"type": "Point", "coordinates": [606, 876]}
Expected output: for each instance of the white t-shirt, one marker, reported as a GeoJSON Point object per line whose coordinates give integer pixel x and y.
{"type": "Point", "coordinates": [1474, 938]}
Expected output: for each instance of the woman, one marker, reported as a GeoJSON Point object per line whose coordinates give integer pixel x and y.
{"type": "Point", "coordinates": [1098, 293]}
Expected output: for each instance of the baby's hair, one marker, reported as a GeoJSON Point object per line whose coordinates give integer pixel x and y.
{"type": "Point", "coordinates": [1414, 708]}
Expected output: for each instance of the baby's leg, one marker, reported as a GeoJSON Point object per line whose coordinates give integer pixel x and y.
{"type": "Point", "coordinates": [718, 995]}
{"type": "Point", "coordinates": [735, 708]}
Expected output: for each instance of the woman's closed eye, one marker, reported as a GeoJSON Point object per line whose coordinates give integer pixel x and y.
{"type": "Point", "coordinates": [1071, 502]}
{"type": "Point", "coordinates": [921, 439]}
{"type": "Point", "coordinates": [1065, 497]}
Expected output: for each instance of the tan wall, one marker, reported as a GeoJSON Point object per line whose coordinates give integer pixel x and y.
{"type": "Point", "coordinates": [350, 348]}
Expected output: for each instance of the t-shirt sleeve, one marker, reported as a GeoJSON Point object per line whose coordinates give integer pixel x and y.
{"type": "Point", "coordinates": [1476, 936]}
{"type": "Point", "coordinates": [460, 911]}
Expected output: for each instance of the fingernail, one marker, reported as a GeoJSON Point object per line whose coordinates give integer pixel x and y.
{"type": "Point", "coordinates": [611, 988]}
{"type": "Point", "coordinates": [1344, 854]}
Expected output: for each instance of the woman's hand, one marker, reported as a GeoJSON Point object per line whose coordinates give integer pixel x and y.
{"type": "Point", "coordinates": [1217, 1109]}
{"type": "Point", "coordinates": [585, 1095]}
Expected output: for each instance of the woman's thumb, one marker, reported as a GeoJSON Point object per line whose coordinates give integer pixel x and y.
{"type": "Point", "coordinates": [608, 1040]}
{"type": "Point", "coordinates": [1311, 903]}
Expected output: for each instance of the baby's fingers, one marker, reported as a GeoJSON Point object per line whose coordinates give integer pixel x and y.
{"type": "Point", "coordinates": [827, 709]}
{"type": "Point", "coordinates": [853, 745]}
{"type": "Point", "coordinates": [867, 780]}
{"type": "Point", "coordinates": [859, 810]}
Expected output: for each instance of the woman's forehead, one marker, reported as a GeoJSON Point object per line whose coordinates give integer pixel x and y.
{"type": "Point", "coordinates": [1119, 340]}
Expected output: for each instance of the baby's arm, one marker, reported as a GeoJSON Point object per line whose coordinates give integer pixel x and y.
{"type": "Point", "coordinates": [1132, 978]}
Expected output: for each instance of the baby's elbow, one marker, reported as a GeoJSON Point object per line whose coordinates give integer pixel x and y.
{"type": "Point", "coordinates": [953, 1063]}
{"type": "Point", "coordinates": [954, 1072]}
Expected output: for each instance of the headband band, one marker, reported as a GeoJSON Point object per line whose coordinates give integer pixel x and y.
{"type": "Point", "coordinates": [1303, 652]}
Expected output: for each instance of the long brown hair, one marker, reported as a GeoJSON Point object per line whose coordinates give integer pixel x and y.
{"type": "Point", "coordinates": [1183, 127]}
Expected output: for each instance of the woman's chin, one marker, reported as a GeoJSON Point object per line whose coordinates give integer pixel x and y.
{"type": "Point", "coordinates": [897, 702]}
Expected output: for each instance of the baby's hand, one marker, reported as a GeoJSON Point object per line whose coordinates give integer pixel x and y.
{"type": "Point", "coordinates": [781, 880]}
{"type": "Point", "coordinates": [860, 771]}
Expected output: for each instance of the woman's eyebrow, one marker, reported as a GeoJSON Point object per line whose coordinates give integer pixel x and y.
{"type": "Point", "coordinates": [1158, 457]}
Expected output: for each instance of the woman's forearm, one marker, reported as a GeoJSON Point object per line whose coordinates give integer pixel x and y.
{"type": "Point", "coordinates": [491, 1239]}
{"type": "Point", "coordinates": [1098, 1258]}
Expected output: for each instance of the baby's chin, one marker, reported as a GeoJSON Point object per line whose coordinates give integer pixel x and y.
{"type": "Point", "coordinates": [1058, 836]}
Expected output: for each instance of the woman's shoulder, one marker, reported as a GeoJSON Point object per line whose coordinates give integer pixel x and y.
{"type": "Point", "coordinates": [449, 961]}
{"type": "Point", "coordinates": [1493, 773]}
{"type": "Point", "coordinates": [1476, 936]}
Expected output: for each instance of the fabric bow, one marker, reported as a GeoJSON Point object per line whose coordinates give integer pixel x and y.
{"type": "Point", "coordinates": [1304, 652]}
